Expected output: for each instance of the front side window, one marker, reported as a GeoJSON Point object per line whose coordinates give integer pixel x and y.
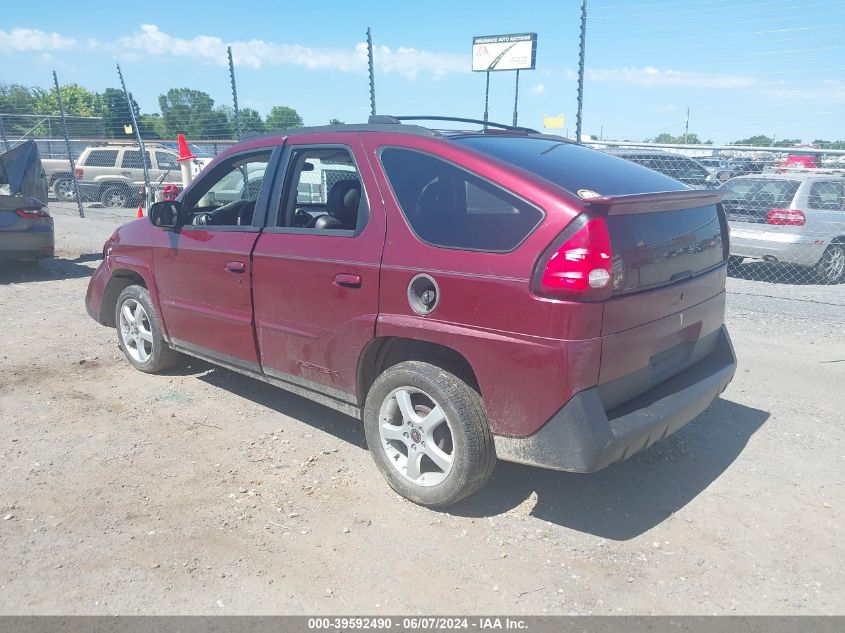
{"type": "Point", "coordinates": [449, 207]}
{"type": "Point", "coordinates": [228, 195]}
{"type": "Point", "coordinates": [324, 192]}
{"type": "Point", "coordinates": [132, 160]}
{"type": "Point", "coordinates": [101, 158]}
{"type": "Point", "coordinates": [827, 196]}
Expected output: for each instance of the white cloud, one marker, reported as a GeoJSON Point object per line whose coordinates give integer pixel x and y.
{"type": "Point", "coordinates": [538, 89]}
{"type": "Point", "coordinates": [19, 39]}
{"type": "Point", "coordinates": [650, 76]}
{"type": "Point", "coordinates": [150, 41]}
{"type": "Point", "coordinates": [409, 62]}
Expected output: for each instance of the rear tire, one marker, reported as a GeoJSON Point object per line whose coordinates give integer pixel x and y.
{"type": "Point", "coordinates": [139, 331]}
{"type": "Point", "coordinates": [831, 266]}
{"type": "Point", "coordinates": [428, 434]}
{"type": "Point", "coordinates": [115, 197]}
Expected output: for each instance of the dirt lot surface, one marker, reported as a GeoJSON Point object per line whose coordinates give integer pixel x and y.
{"type": "Point", "coordinates": [202, 491]}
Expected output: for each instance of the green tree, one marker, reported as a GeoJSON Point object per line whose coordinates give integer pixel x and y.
{"type": "Point", "coordinates": [77, 101]}
{"type": "Point", "coordinates": [787, 142]}
{"type": "Point", "coordinates": [282, 117]}
{"type": "Point", "coordinates": [334, 121]}
{"type": "Point", "coordinates": [759, 140]}
{"type": "Point", "coordinates": [16, 100]}
{"type": "Point", "coordinates": [192, 113]}
{"type": "Point", "coordinates": [251, 121]}
{"type": "Point", "coordinates": [689, 139]}
{"type": "Point", "coordinates": [152, 126]}
{"type": "Point", "coordinates": [115, 112]}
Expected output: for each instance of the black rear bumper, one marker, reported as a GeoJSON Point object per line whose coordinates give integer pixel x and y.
{"type": "Point", "coordinates": [584, 437]}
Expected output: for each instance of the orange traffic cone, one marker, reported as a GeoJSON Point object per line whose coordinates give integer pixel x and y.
{"type": "Point", "coordinates": [184, 150]}
{"type": "Point", "coordinates": [140, 213]}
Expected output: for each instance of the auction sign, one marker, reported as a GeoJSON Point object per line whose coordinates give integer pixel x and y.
{"type": "Point", "coordinates": [517, 51]}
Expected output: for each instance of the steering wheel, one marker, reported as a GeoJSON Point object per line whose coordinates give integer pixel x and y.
{"type": "Point", "coordinates": [202, 219]}
{"type": "Point", "coordinates": [301, 218]}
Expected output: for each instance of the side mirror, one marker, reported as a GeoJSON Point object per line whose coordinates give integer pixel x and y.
{"type": "Point", "coordinates": [712, 179]}
{"type": "Point", "coordinates": [165, 214]}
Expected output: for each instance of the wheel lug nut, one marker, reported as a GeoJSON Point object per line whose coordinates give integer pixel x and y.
{"type": "Point", "coordinates": [405, 434]}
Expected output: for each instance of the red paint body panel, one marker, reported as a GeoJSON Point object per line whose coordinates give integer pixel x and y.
{"type": "Point", "coordinates": [530, 354]}
{"type": "Point", "coordinates": [202, 302]}
{"type": "Point", "coordinates": [308, 326]}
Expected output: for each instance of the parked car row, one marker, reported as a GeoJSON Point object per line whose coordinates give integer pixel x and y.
{"type": "Point", "coordinates": [795, 215]}
{"type": "Point", "coordinates": [112, 174]}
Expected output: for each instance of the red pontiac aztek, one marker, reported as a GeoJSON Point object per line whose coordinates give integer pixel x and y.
{"type": "Point", "coordinates": [469, 294]}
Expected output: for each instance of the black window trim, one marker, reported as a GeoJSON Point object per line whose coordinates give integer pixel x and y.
{"type": "Point", "coordinates": [495, 185]}
{"type": "Point", "coordinates": [281, 190]}
{"type": "Point", "coordinates": [259, 215]}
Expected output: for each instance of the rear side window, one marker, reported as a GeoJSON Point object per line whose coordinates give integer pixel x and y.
{"type": "Point", "coordinates": [827, 196]}
{"type": "Point", "coordinates": [449, 207]}
{"type": "Point", "coordinates": [166, 161]}
{"type": "Point", "coordinates": [132, 160]}
{"type": "Point", "coordinates": [101, 158]}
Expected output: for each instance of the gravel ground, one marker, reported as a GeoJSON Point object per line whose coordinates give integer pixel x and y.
{"type": "Point", "coordinates": [202, 491]}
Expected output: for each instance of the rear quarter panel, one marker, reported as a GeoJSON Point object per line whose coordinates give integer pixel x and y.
{"type": "Point", "coordinates": [529, 354]}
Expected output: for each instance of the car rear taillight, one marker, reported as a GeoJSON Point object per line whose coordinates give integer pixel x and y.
{"type": "Point", "coordinates": [79, 173]}
{"type": "Point", "coordinates": [786, 217]}
{"type": "Point", "coordinates": [581, 267]}
{"type": "Point", "coordinates": [31, 214]}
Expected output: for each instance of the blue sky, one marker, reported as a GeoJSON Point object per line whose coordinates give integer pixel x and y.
{"type": "Point", "coordinates": [744, 67]}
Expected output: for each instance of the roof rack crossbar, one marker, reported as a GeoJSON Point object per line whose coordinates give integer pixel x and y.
{"type": "Point", "coordinates": [383, 118]}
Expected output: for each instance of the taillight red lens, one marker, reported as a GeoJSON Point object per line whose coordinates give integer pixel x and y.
{"type": "Point", "coordinates": [581, 267]}
{"type": "Point", "coordinates": [31, 214]}
{"type": "Point", "coordinates": [79, 173]}
{"type": "Point", "coordinates": [786, 217]}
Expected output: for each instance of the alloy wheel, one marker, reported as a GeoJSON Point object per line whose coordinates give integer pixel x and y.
{"type": "Point", "coordinates": [416, 436]}
{"type": "Point", "coordinates": [136, 331]}
{"type": "Point", "coordinates": [833, 263]}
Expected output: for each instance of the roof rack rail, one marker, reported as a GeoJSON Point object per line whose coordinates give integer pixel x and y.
{"type": "Point", "coordinates": [385, 118]}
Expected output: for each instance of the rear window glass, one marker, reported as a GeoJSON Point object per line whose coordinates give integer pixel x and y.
{"type": "Point", "coordinates": [571, 166]}
{"type": "Point", "coordinates": [101, 158]}
{"type": "Point", "coordinates": [132, 160]}
{"type": "Point", "coordinates": [827, 196]}
{"type": "Point", "coordinates": [751, 199]}
{"type": "Point", "coordinates": [447, 206]}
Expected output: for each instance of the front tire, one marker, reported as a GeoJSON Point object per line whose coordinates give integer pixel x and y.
{"type": "Point", "coordinates": [64, 189]}
{"type": "Point", "coordinates": [831, 266]}
{"type": "Point", "coordinates": [139, 331]}
{"type": "Point", "coordinates": [428, 434]}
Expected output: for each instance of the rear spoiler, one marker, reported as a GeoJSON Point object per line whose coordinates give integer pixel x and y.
{"type": "Point", "coordinates": [652, 202]}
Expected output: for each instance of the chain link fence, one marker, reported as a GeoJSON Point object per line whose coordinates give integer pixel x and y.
{"type": "Point", "coordinates": [785, 206]}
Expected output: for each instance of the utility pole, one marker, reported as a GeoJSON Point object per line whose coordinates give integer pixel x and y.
{"type": "Point", "coordinates": [486, 98]}
{"type": "Point", "coordinates": [148, 194]}
{"type": "Point", "coordinates": [581, 48]}
{"type": "Point", "coordinates": [67, 145]}
{"type": "Point", "coordinates": [686, 127]}
{"type": "Point", "coordinates": [234, 93]}
{"type": "Point", "coordinates": [516, 97]}
{"type": "Point", "coordinates": [371, 71]}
